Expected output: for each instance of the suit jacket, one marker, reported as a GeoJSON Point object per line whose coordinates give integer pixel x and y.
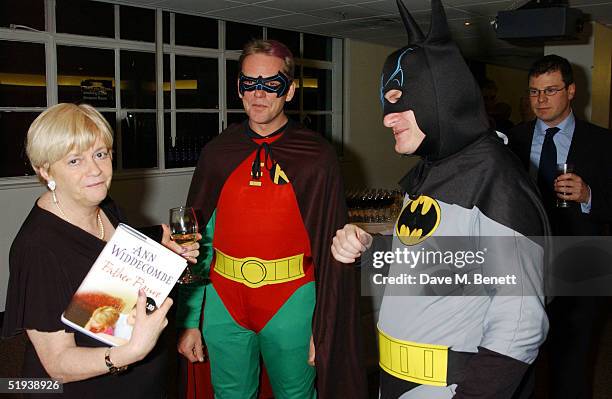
{"type": "Point", "coordinates": [591, 154]}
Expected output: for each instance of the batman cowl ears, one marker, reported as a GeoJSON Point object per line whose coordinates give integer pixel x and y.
{"type": "Point", "coordinates": [436, 84]}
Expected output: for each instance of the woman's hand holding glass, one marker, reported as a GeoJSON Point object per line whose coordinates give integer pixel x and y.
{"type": "Point", "coordinates": [189, 252]}
{"type": "Point", "coordinates": [184, 228]}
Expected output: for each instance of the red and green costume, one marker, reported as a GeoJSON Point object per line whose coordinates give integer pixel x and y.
{"type": "Point", "coordinates": [272, 206]}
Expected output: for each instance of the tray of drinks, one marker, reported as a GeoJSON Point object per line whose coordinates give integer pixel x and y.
{"type": "Point", "coordinates": [374, 210]}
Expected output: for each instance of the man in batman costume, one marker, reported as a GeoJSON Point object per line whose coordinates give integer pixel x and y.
{"type": "Point", "coordinates": [271, 197]}
{"type": "Point", "coordinates": [467, 184]}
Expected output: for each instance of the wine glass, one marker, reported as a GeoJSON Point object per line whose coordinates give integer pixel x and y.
{"type": "Point", "coordinates": [563, 168]}
{"type": "Point", "coordinates": [184, 231]}
{"type": "Point", "coordinates": [388, 201]}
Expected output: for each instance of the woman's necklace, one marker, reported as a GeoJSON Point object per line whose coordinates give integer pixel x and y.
{"type": "Point", "coordinates": [98, 217]}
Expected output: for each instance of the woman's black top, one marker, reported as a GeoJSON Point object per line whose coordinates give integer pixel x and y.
{"type": "Point", "coordinates": [48, 261]}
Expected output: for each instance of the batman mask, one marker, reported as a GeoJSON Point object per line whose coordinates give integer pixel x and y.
{"type": "Point", "coordinates": [436, 84]}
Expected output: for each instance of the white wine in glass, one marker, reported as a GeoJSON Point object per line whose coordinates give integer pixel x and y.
{"type": "Point", "coordinates": [184, 230]}
{"type": "Point", "coordinates": [184, 239]}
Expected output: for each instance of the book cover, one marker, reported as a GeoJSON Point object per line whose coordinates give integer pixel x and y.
{"type": "Point", "coordinates": [104, 305]}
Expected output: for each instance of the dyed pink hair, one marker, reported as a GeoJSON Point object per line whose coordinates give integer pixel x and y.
{"type": "Point", "coordinates": [273, 48]}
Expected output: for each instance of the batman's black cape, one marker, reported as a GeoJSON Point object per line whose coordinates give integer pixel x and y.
{"type": "Point", "coordinates": [486, 175]}
{"type": "Point", "coordinates": [311, 165]}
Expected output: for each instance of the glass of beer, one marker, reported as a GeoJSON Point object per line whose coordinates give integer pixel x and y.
{"type": "Point", "coordinates": [563, 168]}
{"type": "Point", "coordinates": [184, 230]}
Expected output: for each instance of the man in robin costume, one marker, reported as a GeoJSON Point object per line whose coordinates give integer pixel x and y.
{"type": "Point", "coordinates": [475, 341]}
{"type": "Point", "coordinates": [271, 196]}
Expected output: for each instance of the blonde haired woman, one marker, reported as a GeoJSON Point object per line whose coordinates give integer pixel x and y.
{"type": "Point", "coordinates": [69, 147]}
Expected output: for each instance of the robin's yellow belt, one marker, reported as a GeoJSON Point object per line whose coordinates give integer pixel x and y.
{"type": "Point", "coordinates": [412, 361]}
{"type": "Point", "coordinates": [255, 272]}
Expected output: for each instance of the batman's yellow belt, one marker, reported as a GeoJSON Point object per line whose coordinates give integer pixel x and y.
{"type": "Point", "coordinates": [411, 361]}
{"type": "Point", "coordinates": [255, 272]}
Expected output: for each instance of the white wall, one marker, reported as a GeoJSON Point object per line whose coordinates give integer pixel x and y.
{"type": "Point", "coordinates": [14, 207]}
{"type": "Point", "coordinates": [369, 158]}
{"type": "Point", "coordinates": [146, 200]}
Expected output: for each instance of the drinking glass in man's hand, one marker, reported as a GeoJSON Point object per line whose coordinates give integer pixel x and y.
{"type": "Point", "coordinates": [563, 168]}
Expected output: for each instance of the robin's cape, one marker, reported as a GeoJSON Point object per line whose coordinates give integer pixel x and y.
{"type": "Point", "coordinates": [312, 168]}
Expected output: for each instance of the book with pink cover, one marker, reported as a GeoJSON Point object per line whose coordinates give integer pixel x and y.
{"type": "Point", "coordinates": [104, 306]}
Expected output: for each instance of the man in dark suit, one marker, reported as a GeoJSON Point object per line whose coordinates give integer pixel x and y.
{"type": "Point", "coordinates": [556, 136]}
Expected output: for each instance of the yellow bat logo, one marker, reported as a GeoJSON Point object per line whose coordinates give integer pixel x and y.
{"type": "Point", "coordinates": [418, 220]}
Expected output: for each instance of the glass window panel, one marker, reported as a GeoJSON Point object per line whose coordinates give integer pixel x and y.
{"type": "Point", "coordinates": [137, 79]}
{"type": "Point", "coordinates": [30, 13]}
{"type": "Point", "coordinates": [317, 89]}
{"type": "Point", "coordinates": [166, 26]}
{"type": "Point", "coordinates": [317, 47]}
{"type": "Point", "coordinates": [294, 104]}
{"type": "Point", "coordinates": [22, 75]}
{"type": "Point", "coordinates": [321, 124]}
{"type": "Point", "coordinates": [86, 75]}
{"type": "Point", "coordinates": [167, 99]}
{"type": "Point", "coordinates": [231, 76]}
{"type": "Point", "coordinates": [196, 31]}
{"type": "Point", "coordinates": [193, 131]}
{"type": "Point", "coordinates": [197, 82]}
{"type": "Point", "coordinates": [170, 152]}
{"type": "Point", "coordinates": [237, 35]}
{"type": "Point", "coordinates": [90, 18]}
{"type": "Point", "coordinates": [137, 23]}
{"type": "Point", "coordinates": [112, 121]}
{"type": "Point", "coordinates": [288, 38]}
{"type": "Point", "coordinates": [13, 130]}
{"type": "Point", "coordinates": [235, 117]}
{"type": "Point", "coordinates": [139, 140]}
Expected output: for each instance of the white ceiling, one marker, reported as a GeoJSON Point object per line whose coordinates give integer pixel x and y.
{"type": "Point", "coordinates": [378, 21]}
